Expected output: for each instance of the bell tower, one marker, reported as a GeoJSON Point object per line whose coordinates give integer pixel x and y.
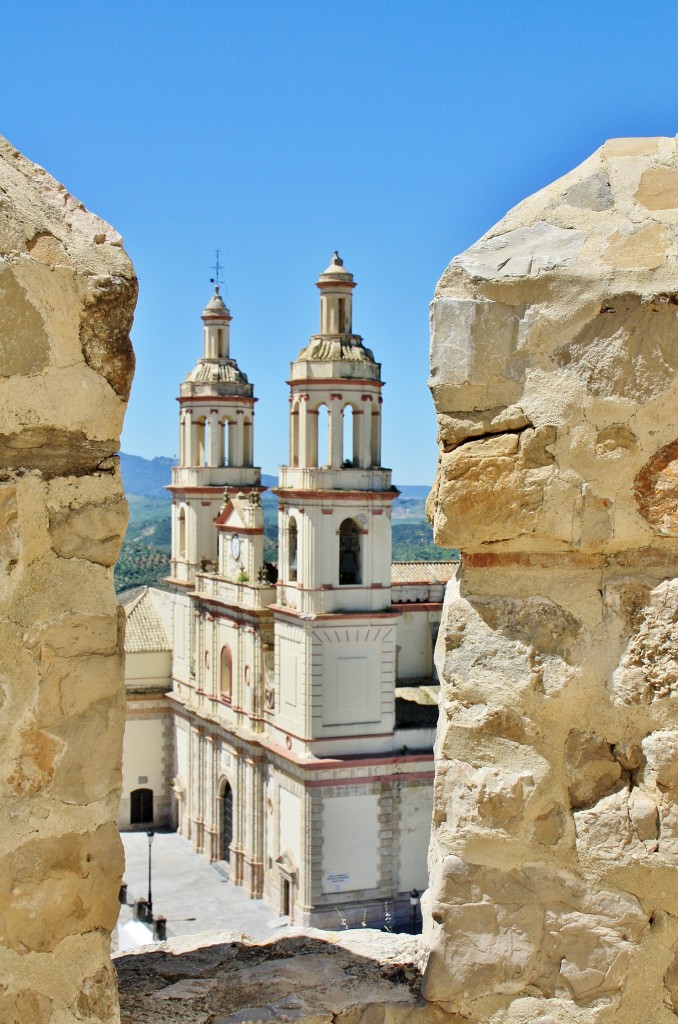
{"type": "Point", "coordinates": [216, 446]}
{"type": "Point", "coordinates": [335, 632]}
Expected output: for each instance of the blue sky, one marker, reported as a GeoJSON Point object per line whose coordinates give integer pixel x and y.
{"type": "Point", "coordinates": [279, 131]}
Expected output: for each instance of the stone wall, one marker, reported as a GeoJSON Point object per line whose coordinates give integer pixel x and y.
{"type": "Point", "coordinates": [303, 976]}
{"type": "Point", "coordinates": [555, 841]}
{"type": "Point", "coordinates": [67, 294]}
{"type": "Point", "coordinates": [554, 370]}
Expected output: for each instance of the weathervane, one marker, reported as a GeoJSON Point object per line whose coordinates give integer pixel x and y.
{"type": "Point", "coordinates": [217, 280]}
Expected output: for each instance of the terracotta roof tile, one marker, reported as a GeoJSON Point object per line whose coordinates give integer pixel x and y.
{"type": "Point", "coordinates": [422, 572]}
{"type": "Point", "coordinates": [145, 631]}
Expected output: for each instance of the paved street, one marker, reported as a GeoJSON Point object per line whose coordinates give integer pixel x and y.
{"type": "Point", "coordinates": [185, 886]}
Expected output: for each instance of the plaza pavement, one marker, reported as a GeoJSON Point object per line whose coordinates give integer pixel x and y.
{"type": "Point", "coordinates": [185, 886]}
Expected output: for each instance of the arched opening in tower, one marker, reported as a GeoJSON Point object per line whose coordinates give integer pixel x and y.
{"type": "Point", "coordinates": [349, 437]}
{"type": "Point", "coordinates": [292, 543]}
{"type": "Point", "coordinates": [323, 457]}
{"type": "Point", "coordinates": [350, 537]}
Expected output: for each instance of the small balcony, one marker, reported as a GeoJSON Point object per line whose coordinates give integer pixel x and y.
{"type": "Point", "coordinates": [244, 595]}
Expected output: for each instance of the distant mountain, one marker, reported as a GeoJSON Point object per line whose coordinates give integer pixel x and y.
{"type": "Point", "coordinates": [413, 490]}
{"type": "Point", "coordinates": [144, 559]}
{"type": "Point", "coordinates": [146, 476]}
{"type": "Point", "coordinates": [149, 477]}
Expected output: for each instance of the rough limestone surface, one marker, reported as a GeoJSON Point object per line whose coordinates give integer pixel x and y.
{"type": "Point", "coordinates": [67, 294]}
{"type": "Point", "coordinates": [554, 371]}
{"type": "Point", "coordinates": [305, 976]}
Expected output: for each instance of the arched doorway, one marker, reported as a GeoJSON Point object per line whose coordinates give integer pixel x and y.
{"type": "Point", "coordinates": [226, 823]}
{"type": "Point", "coordinates": [141, 807]}
{"type": "Point", "coordinates": [288, 874]}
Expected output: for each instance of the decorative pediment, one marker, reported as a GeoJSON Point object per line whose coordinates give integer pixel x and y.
{"type": "Point", "coordinates": [230, 518]}
{"type": "Point", "coordinates": [287, 864]}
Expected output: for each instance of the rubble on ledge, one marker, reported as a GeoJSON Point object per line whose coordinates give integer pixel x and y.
{"type": "Point", "coordinates": [305, 976]}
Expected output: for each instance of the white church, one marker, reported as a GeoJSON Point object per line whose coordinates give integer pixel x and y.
{"type": "Point", "coordinates": [284, 722]}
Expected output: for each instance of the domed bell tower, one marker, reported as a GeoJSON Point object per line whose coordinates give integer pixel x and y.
{"type": "Point", "coordinates": [216, 446]}
{"type": "Point", "coordinates": [335, 631]}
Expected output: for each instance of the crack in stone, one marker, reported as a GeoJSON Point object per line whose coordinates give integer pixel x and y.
{"type": "Point", "coordinates": [450, 446]}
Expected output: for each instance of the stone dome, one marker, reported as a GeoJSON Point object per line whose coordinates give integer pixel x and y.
{"type": "Point", "coordinates": [216, 307]}
{"type": "Point", "coordinates": [336, 271]}
{"type": "Point", "coordinates": [221, 372]}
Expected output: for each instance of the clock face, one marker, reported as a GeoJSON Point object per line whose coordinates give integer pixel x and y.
{"type": "Point", "coordinates": [235, 546]}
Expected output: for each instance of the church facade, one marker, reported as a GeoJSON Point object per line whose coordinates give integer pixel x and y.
{"type": "Point", "coordinates": [302, 701]}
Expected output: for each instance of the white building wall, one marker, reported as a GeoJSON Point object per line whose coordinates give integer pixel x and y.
{"type": "Point", "coordinates": [143, 762]}
{"type": "Point", "coordinates": [415, 812]}
{"type": "Point", "coordinates": [353, 674]}
{"type": "Point", "coordinates": [290, 701]}
{"type": "Point", "coordinates": [350, 843]}
{"type": "Point", "coordinates": [349, 693]}
{"type": "Point", "coordinates": [414, 643]}
{"type": "Point", "coordinates": [181, 665]}
{"type": "Point", "coordinates": [148, 669]}
{"type": "Point", "coordinates": [290, 824]}
{"type": "Point", "coordinates": [181, 775]}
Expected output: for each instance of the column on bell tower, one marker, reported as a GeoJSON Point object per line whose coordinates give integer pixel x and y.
{"type": "Point", "coordinates": [216, 430]}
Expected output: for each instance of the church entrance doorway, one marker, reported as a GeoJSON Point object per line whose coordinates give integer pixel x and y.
{"type": "Point", "coordinates": [285, 898]}
{"type": "Point", "coordinates": [141, 807]}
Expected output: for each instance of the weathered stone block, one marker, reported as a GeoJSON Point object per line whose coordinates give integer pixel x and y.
{"type": "Point", "coordinates": [533, 927]}
{"type": "Point", "coordinates": [67, 294]}
{"type": "Point", "coordinates": [555, 831]}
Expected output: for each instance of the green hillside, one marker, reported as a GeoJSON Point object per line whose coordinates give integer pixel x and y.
{"type": "Point", "coordinates": [141, 565]}
{"type": "Point", "coordinates": [413, 542]}
{"type": "Point", "coordinates": [145, 556]}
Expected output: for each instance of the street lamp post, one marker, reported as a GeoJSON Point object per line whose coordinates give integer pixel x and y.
{"type": "Point", "coordinates": [414, 903]}
{"type": "Point", "coordinates": [150, 835]}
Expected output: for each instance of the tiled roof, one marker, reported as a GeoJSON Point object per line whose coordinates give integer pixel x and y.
{"type": "Point", "coordinates": [422, 572]}
{"type": "Point", "coordinates": [145, 631]}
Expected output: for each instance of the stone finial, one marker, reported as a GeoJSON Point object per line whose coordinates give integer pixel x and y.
{"type": "Point", "coordinates": [216, 308]}
{"type": "Point", "coordinates": [336, 272]}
